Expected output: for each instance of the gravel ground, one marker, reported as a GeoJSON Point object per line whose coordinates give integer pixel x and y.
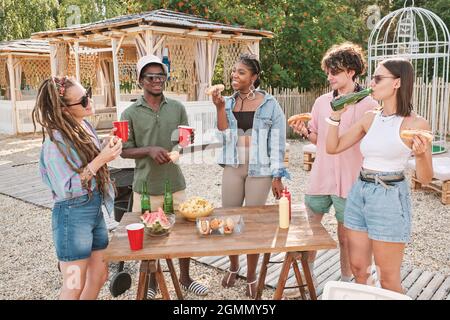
{"type": "Point", "coordinates": [28, 263]}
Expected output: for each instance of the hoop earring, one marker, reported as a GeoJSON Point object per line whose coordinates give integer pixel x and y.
{"type": "Point", "coordinates": [251, 95]}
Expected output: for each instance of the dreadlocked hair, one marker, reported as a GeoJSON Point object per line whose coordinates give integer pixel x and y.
{"type": "Point", "coordinates": [48, 112]}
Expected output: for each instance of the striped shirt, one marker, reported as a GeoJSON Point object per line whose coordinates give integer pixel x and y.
{"type": "Point", "coordinates": [63, 181]}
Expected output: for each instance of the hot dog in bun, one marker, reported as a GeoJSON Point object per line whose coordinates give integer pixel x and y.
{"type": "Point", "coordinates": [299, 117]}
{"type": "Point", "coordinates": [410, 133]}
{"type": "Point", "coordinates": [219, 87]}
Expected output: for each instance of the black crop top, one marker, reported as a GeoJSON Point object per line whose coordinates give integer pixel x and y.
{"type": "Point", "coordinates": [244, 119]}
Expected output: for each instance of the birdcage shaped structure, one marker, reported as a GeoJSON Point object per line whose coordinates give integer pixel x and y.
{"type": "Point", "coordinates": [420, 36]}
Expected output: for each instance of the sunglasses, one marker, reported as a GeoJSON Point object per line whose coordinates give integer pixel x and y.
{"type": "Point", "coordinates": [84, 99]}
{"type": "Point", "coordinates": [154, 77]}
{"type": "Point", "coordinates": [378, 78]}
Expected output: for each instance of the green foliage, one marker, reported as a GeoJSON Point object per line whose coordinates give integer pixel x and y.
{"type": "Point", "coordinates": [303, 30]}
{"type": "Point", "coordinates": [18, 19]}
{"type": "Point", "coordinates": [439, 7]}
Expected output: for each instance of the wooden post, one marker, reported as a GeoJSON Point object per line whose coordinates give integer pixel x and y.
{"type": "Point", "coordinates": [149, 41]}
{"type": "Point", "coordinates": [256, 48]}
{"type": "Point", "coordinates": [53, 61]}
{"type": "Point", "coordinates": [210, 62]}
{"type": "Point", "coordinates": [116, 72]}
{"type": "Point", "coordinates": [283, 276]}
{"type": "Point", "coordinates": [262, 276]}
{"type": "Point", "coordinates": [76, 48]}
{"type": "Point", "coordinates": [12, 88]}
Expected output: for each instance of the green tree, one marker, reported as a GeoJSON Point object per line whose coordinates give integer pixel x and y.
{"type": "Point", "coordinates": [85, 11]}
{"type": "Point", "coordinates": [303, 30]}
{"type": "Point", "coordinates": [439, 7]}
{"type": "Point", "coordinates": [18, 19]}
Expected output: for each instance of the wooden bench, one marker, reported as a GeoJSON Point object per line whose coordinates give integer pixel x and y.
{"type": "Point", "coordinates": [441, 178]}
{"type": "Point", "coordinates": [309, 154]}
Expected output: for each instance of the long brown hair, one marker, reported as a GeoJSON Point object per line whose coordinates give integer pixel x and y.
{"type": "Point", "coordinates": [403, 69]}
{"type": "Point", "coordinates": [48, 112]}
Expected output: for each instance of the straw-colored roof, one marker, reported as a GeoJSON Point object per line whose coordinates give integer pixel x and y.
{"type": "Point", "coordinates": [156, 18]}
{"type": "Point", "coordinates": [25, 46]}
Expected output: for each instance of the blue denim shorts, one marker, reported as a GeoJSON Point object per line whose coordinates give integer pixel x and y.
{"type": "Point", "coordinates": [79, 227]}
{"type": "Point", "coordinates": [383, 212]}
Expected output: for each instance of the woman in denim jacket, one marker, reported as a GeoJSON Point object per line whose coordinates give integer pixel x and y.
{"type": "Point", "coordinates": [253, 132]}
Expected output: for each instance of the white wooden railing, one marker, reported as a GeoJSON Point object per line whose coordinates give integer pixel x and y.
{"type": "Point", "coordinates": [6, 117]}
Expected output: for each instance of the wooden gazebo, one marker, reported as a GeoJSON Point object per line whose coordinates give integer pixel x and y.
{"type": "Point", "coordinates": [23, 65]}
{"type": "Point", "coordinates": [104, 54]}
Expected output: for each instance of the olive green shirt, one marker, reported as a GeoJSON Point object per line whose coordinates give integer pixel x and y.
{"type": "Point", "coordinates": [150, 128]}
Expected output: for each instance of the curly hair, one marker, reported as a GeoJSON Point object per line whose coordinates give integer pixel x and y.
{"type": "Point", "coordinates": [345, 56]}
{"type": "Point", "coordinates": [48, 112]}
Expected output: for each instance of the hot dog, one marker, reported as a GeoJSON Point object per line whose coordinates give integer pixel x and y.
{"type": "Point", "coordinates": [410, 133]}
{"type": "Point", "coordinates": [299, 117]}
{"type": "Point", "coordinates": [219, 87]}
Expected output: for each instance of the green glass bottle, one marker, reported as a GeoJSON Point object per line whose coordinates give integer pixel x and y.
{"type": "Point", "coordinates": [168, 199]}
{"type": "Point", "coordinates": [145, 199]}
{"type": "Point", "coordinates": [351, 98]}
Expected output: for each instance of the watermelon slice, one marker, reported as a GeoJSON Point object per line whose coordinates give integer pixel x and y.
{"type": "Point", "coordinates": [156, 220]}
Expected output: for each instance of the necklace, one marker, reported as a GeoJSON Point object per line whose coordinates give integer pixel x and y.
{"type": "Point", "coordinates": [387, 118]}
{"type": "Point", "coordinates": [242, 102]}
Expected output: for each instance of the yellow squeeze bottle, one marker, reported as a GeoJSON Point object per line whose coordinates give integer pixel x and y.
{"type": "Point", "coordinates": [283, 211]}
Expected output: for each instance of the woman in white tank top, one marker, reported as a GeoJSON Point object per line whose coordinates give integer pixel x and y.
{"type": "Point", "coordinates": [378, 209]}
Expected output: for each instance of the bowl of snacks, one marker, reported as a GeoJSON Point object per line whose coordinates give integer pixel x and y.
{"type": "Point", "coordinates": [157, 223]}
{"type": "Point", "coordinates": [195, 207]}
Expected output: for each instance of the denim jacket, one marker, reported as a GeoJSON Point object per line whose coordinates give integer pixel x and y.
{"type": "Point", "coordinates": [268, 144]}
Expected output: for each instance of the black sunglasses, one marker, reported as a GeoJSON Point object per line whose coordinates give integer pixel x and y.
{"type": "Point", "coordinates": [84, 99]}
{"type": "Point", "coordinates": [154, 77]}
{"type": "Point", "coordinates": [378, 78]}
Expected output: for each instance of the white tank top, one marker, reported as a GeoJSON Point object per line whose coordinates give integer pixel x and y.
{"type": "Point", "coordinates": [382, 148]}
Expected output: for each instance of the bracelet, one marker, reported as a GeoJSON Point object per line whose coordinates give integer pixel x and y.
{"type": "Point", "coordinates": [332, 122]}
{"type": "Point", "coordinates": [309, 132]}
{"type": "Point", "coordinates": [339, 120]}
{"type": "Point", "coordinates": [90, 169]}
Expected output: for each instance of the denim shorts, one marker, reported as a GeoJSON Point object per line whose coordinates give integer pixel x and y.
{"type": "Point", "coordinates": [79, 227]}
{"type": "Point", "coordinates": [321, 204]}
{"type": "Point", "coordinates": [383, 212]}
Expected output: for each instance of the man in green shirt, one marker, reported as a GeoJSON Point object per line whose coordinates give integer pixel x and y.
{"type": "Point", "coordinates": [153, 121]}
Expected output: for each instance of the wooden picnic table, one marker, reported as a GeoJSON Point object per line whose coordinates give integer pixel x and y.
{"type": "Point", "coordinates": [261, 234]}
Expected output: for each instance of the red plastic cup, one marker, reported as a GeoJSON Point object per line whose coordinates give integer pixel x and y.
{"type": "Point", "coordinates": [136, 235]}
{"type": "Point", "coordinates": [184, 135]}
{"type": "Point", "coordinates": [122, 130]}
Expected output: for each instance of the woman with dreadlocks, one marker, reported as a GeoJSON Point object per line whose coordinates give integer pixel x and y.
{"type": "Point", "coordinates": [74, 165]}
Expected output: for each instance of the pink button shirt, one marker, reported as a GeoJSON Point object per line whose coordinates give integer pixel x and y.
{"type": "Point", "coordinates": [335, 174]}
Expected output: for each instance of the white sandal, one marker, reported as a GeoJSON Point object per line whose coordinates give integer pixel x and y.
{"type": "Point", "coordinates": [230, 273]}
{"type": "Point", "coordinates": [249, 284]}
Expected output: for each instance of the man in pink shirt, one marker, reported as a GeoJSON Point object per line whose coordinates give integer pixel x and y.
{"type": "Point", "coordinates": [332, 176]}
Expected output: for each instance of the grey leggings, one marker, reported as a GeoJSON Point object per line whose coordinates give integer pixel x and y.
{"type": "Point", "coordinates": [237, 186]}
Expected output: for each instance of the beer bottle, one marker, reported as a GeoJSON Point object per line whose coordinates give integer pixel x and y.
{"type": "Point", "coordinates": [145, 199]}
{"type": "Point", "coordinates": [351, 98]}
{"type": "Point", "coordinates": [168, 199]}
